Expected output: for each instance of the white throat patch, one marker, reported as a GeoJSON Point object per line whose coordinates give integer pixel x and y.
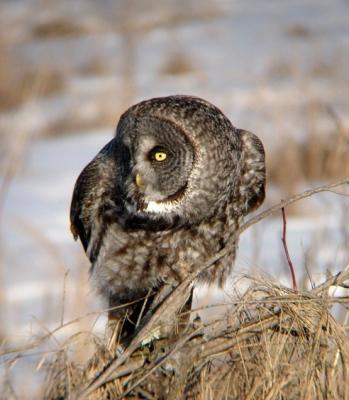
{"type": "Point", "coordinates": [161, 207]}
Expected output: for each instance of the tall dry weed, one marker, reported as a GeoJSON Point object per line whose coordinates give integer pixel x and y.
{"type": "Point", "coordinates": [320, 156]}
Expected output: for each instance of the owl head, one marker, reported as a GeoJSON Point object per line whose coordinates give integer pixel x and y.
{"type": "Point", "coordinates": [180, 160]}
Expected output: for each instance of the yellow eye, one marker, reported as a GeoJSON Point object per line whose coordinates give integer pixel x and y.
{"type": "Point", "coordinates": [160, 156]}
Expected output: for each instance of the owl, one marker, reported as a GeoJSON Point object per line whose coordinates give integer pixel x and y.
{"type": "Point", "coordinates": [164, 195]}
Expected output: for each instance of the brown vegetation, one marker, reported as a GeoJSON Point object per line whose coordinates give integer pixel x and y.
{"type": "Point", "coordinates": [18, 87]}
{"type": "Point", "coordinates": [319, 156]}
{"type": "Point", "coordinates": [177, 64]}
{"type": "Point", "coordinates": [323, 154]}
{"type": "Point", "coordinates": [298, 31]}
{"type": "Point", "coordinates": [57, 28]}
{"type": "Point", "coordinates": [275, 344]}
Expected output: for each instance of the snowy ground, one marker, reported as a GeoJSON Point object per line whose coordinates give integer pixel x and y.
{"type": "Point", "coordinates": [248, 63]}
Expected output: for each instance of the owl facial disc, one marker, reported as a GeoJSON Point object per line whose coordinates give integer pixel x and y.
{"type": "Point", "coordinates": [161, 162]}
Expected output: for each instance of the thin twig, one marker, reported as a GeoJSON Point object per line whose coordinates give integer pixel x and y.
{"type": "Point", "coordinates": [64, 295]}
{"type": "Point", "coordinates": [284, 242]}
{"type": "Point", "coordinates": [336, 280]}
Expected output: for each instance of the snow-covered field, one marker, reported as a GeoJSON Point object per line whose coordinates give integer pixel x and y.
{"type": "Point", "coordinates": [259, 62]}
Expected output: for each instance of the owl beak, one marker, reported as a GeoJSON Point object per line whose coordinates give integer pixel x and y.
{"type": "Point", "coordinates": [139, 181]}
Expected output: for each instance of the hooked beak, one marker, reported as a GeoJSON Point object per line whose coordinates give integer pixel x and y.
{"type": "Point", "coordinates": [139, 181]}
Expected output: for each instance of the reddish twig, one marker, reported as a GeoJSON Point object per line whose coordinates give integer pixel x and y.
{"type": "Point", "coordinates": [284, 242]}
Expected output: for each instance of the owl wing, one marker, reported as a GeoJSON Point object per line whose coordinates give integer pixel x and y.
{"type": "Point", "coordinates": [252, 185]}
{"type": "Point", "coordinates": [88, 197]}
{"type": "Point", "coordinates": [77, 225]}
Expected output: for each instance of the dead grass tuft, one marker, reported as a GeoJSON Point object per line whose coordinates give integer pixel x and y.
{"type": "Point", "coordinates": [57, 28]}
{"type": "Point", "coordinates": [298, 31]}
{"type": "Point", "coordinates": [319, 157]}
{"type": "Point", "coordinates": [177, 64]}
{"type": "Point", "coordinates": [17, 88]}
{"type": "Point", "coordinates": [105, 113]}
{"type": "Point", "coordinates": [276, 344]}
{"type": "Point", "coordinates": [95, 67]}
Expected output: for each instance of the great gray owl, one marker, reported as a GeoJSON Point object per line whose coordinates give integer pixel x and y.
{"type": "Point", "coordinates": [164, 195]}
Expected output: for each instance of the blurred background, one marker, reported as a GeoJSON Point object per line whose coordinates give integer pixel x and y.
{"type": "Point", "coordinates": [68, 69]}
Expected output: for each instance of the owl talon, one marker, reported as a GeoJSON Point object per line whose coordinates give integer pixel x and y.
{"type": "Point", "coordinates": [152, 337]}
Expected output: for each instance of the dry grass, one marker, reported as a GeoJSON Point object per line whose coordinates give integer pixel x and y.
{"type": "Point", "coordinates": [298, 31]}
{"type": "Point", "coordinates": [57, 28]}
{"type": "Point", "coordinates": [17, 87]}
{"type": "Point", "coordinates": [105, 114]}
{"type": "Point", "coordinates": [95, 67]}
{"type": "Point", "coordinates": [275, 344]}
{"type": "Point", "coordinates": [177, 64]}
{"type": "Point", "coordinates": [320, 156]}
